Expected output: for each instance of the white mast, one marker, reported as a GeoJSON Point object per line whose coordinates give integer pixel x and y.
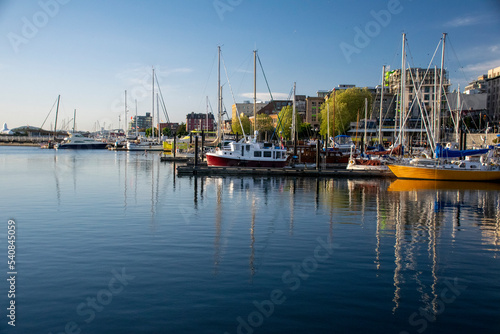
{"type": "Point", "coordinates": [255, 94]}
{"type": "Point", "coordinates": [327, 142]}
{"type": "Point", "coordinates": [380, 139]}
{"type": "Point", "coordinates": [126, 113]}
{"type": "Point", "coordinates": [403, 88]}
{"type": "Point", "coordinates": [158, 116]}
{"type": "Point", "coordinates": [294, 124]}
{"type": "Point", "coordinates": [219, 100]}
{"type": "Point", "coordinates": [457, 121]}
{"type": "Point", "coordinates": [136, 118]}
{"type": "Point", "coordinates": [366, 118]}
{"type": "Point", "coordinates": [153, 106]}
{"type": "Point", "coordinates": [440, 92]}
{"type": "Point", "coordinates": [74, 120]}
{"type": "Point", "coordinates": [206, 126]}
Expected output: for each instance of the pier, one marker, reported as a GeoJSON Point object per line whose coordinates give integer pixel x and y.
{"type": "Point", "coordinates": [189, 170]}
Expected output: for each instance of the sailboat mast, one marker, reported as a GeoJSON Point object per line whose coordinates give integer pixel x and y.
{"type": "Point", "coordinates": [380, 122]}
{"type": "Point", "coordinates": [403, 88]}
{"type": "Point", "coordinates": [255, 93]}
{"type": "Point", "coordinates": [74, 120]}
{"type": "Point", "coordinates": [153, 106]}
{"type": "Point", "coordinates": [135, 118]}
{"type": "Point", "coordinates": [459, 111]}
{"type": "Point", "coordinates": [126, 113]}
{"type": "Point", "coordinates": [438, 137]}
{"type": "Point", "coordinates": [219, 101]}
{"type": "Point", "coordinates": [57, 111]}
{"type": "Point", "coordinates": [206, 123]}
{"type": "Point", "coordinates": [158, 116]}
{"type": "Point", "coordinates": [294, 123]}
{"type": "Point", "coordinates": [366, 121]}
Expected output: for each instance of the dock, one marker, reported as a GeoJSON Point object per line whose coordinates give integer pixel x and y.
{"type": "Point", "coordinates": [190, 170]}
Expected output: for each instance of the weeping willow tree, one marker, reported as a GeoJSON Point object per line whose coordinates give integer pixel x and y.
{"type": "Point", "coordinates": [347, 105]}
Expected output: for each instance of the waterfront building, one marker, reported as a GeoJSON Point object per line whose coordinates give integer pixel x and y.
{"type": "Point", "coordinates": [428, 80]}
{"type": "Point", "coordinates": [140, 122]}
{"type": "Point", "coordinates": [493, 97]}
{"type": "Point", "coordinates": [200, 121]}
{"type": "Point", "coordinates": [313, 109]}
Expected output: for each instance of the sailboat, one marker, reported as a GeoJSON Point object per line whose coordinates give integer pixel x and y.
{"type": "Point", "coordinates": [146, 145]}
{"type": "Point", "coordinates": [77, 141]}
{"type": "Point", "coordinates": [250, 153]}
{"type": "Point", "coordinates": [486, 168]}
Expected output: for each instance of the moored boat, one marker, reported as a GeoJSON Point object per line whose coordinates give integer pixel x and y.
{"type": "Point", "coordinates": [77, 141]}
{"type": "Point", "coordinates": [248, 154]}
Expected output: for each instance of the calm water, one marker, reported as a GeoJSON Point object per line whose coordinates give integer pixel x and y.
{"type": "Point", "coordinates": [115, 242]}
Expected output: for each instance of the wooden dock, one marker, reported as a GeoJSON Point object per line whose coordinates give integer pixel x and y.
{"type": "Point", "coordinates": [288, 172]}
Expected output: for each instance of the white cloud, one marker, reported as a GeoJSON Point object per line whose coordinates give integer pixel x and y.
{"type": "Point", "coordinates": [266, 96]}
{"type": "Point", "coordinates": [482, 67]}
{"type": "Point", "coordinates": [464, 21]}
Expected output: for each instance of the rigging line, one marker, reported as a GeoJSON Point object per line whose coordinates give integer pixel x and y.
{"type": "Point", "coordinates": [208, 79]}
{"type": "Point", "coordinates": [244, 71]}
{"type": "Point", "coordinates": [48, 114]}
{"type": "Point", "coordinates": [162, 100]}
{"type": "Point", "coordinates": [458, 60]}
{"type": "Point", "coordinates": [231, 89]}
{"type": "Point", "coordinates": [270, 93]}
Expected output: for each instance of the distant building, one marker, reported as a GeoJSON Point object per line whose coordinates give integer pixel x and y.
{"type": "Point", "coordinates": [172, 126]}
{"type": "Point", "coordinates": [313, 109]}
{"type": "Point", "coordinates": [479, 86]}
{"type": "Point", "coordinates": [200, 122]}
{"type": "Point", "coordinates": [493, 97]}
{"type": "Point", "coordinates": [427, 80]}
{"type": "Point", "coordinates": [140, 122]}
{"type": "Point", "coordinates": [246, 108]}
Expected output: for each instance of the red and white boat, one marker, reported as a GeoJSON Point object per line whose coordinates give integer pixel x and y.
{"type": "Point", "coordinates": [248, 154]}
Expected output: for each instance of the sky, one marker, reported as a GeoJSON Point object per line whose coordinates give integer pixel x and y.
{"type": "Point", "coordinates": [89, 52]}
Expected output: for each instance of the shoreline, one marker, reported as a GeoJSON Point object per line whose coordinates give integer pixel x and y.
{"type": "Point", "coordinates": [19, 144]}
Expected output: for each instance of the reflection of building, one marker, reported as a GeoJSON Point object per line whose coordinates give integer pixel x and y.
{"type": "Point", "coordinates": [141, 122]}
{"type": "Point", "coordinates": [200, 122]}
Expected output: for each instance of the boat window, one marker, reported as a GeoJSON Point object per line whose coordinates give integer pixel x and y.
{"type": "Point", "coordinates": [278, 155]}
{"type": "Point", "coordinates": [257, 154]}
{"type": "Point", "coordinates": [248, 147]}
{"type": "Point", "coordinates": [267, 154]}
{"type": "Point", "coordinates": [242, 151]}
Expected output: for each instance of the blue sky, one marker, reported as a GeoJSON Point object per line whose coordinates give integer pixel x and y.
{"type": "Point", "coordinates": [91, 51]}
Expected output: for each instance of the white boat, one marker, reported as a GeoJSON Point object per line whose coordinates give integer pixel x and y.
{"type": "Point", "coordinates": [77, 141]}
{"type": "Point", "coordinates": [144, 146]}
{"type": "Point", "coordinates": [249, 154]}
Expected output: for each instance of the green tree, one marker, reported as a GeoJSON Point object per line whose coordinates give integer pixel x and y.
{"type": "Point", "coordinates": [181, 130]}
{"type": "Point", "coordinates": [347, 105]}
{"type": "Point", "coordinates": [284, 127]}
{"type": "Point", "coordinates": [236, 127]}
{"type": "Point", "coordinates": [305, 130]}
{"type": "Point", "coordinates": [166, 132]}
{"type": "Point", "coordinates": [148, 132]}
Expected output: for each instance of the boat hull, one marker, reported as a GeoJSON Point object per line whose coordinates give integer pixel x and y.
{"type": "Point", "coordinates": [96, 146]}
{"type": "Point", "coordinates": [443, 174]}
{"type": "Point", "coordinates": [218, 161]}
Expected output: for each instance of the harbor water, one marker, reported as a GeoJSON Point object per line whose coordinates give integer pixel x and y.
{"type": "Point", "coordinates": [116, 242]}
